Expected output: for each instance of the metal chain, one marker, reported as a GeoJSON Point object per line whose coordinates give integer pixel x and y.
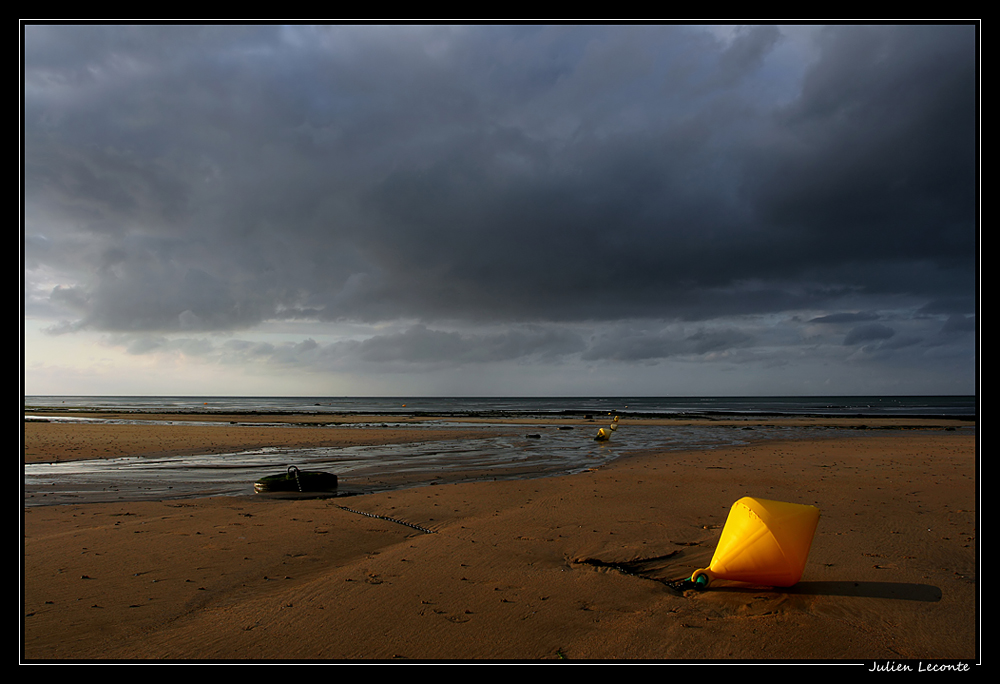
{"type": "Point", "coordinates": [392, 520]}
{"type": "Point", "coordinates": [298, 482]}
{"type": "Point", "coordinates": [681, 585]}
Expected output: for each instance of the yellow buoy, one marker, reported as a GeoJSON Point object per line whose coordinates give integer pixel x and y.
{"type": "Point", "coordinates": [763, 542]}
{"type": "Point", "coordinates": [603, 435]}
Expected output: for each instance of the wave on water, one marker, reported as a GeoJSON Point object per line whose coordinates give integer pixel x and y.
{"type": "Point", "coordinates": [875, 406]}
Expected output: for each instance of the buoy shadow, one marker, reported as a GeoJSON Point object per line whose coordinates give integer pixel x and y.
{"type": "Point", "coordinates": [906, 591]}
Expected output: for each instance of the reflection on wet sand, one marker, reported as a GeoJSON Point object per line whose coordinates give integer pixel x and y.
{"type": "Point", "coordinates": [547, 450]}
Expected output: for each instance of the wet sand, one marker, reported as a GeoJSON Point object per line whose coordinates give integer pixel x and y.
{"type": "Point", "coordinates": [574, 568]}
{"type": "Point", "coordinates": [53, 441]}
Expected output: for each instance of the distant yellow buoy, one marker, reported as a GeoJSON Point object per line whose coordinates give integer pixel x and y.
{"type": "Point", "coordinates": [763, 542]}
{"type": "Point", "coordinates": [604, 434]}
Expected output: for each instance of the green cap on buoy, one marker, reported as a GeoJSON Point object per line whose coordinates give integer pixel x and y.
{"type": "Point", "coordinates": [700, 579]}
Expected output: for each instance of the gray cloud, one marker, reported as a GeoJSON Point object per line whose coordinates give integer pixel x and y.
{"type": "Point", "coordinates": [420, 344]}
{"type": "Point", "coordinates": [957, 323]}
{"type": "Point", "coordinates": [651, 345]}
{"type": "Point", "coordinates": [185, 179]}
{"type": "Point", "coordinates": [846, 317]}
{"type": "Point", "coordinates": [868, 332]}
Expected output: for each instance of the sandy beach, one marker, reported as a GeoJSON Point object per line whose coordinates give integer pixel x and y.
{"type": "Point", "coordinates": [576, 568]}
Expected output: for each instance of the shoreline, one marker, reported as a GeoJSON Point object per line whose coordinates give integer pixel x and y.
{"type": "Point", "coordinates": [568, 567]}
{"type": "Point", "coordinates": [40, 412]}
{"type": "Point", "coordinates": [104, 434]}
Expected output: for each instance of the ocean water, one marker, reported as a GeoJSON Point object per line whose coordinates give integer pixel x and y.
{"type": "Point", "coordinates": [503, 451]}
{"type": "Point", "coordinates": [934, 406]}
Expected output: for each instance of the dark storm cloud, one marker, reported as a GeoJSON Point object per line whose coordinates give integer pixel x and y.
{"type": "Point", "coordinates": [185, 178]}
{"type": "Point", "coordinates": [875, 162]}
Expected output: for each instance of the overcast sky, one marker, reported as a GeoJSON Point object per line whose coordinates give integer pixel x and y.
{"type": "Point", "coordinates": [500, 210]}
